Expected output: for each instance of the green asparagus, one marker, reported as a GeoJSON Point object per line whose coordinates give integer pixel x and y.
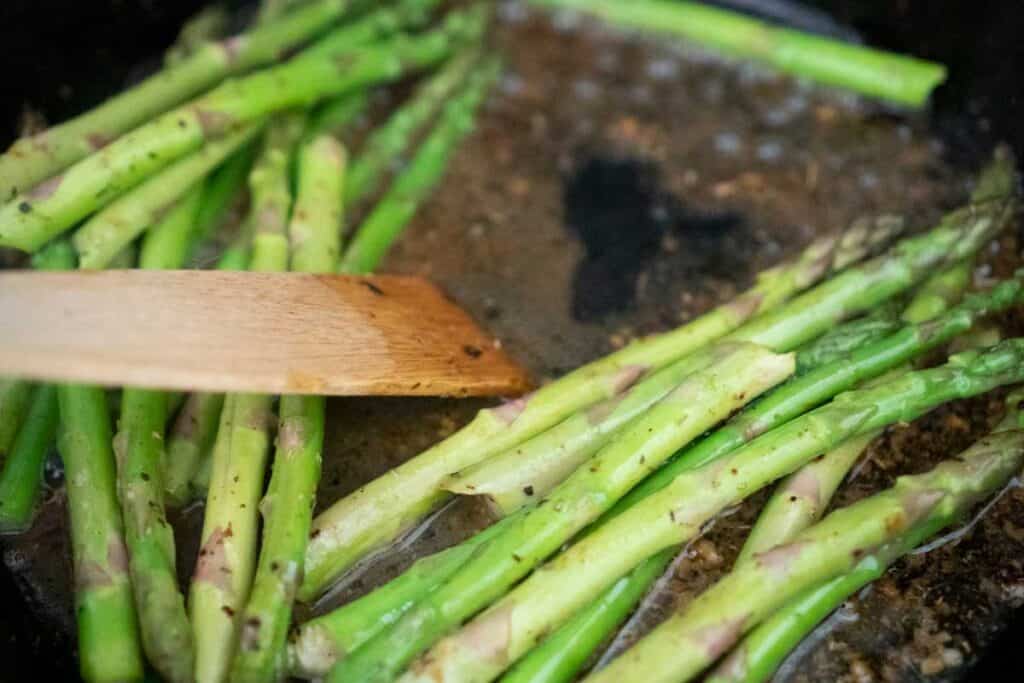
{"type": "Point", "coordinates": [30, 414]}
{"type": "Point", "coordinates": [509, 627]}
{"type": "Point", "coordinates": [31, 219]}
{"type": "Point", "coordinates": [108, 638]}
{"type": "Point", "coordinates": [740, 372]}
{"type": "Point", "coordinates": [15, 397]}
{"type": "Point", "coordinates": [209, 23]}
{"type": "Point", "coordinates": [31, 160]}
{"type": "Point", "coordinates": [321, 642]}
{"type": "Point", "coordinates": [224, 572]}
{"type": "Point", "coordinates": [287, 508]}
{"type": "Point", "coordinates": [886, 75]}
{"type": "Point", "coordinates": [865, 536]}
{"type": "Point", "coordinates": [392, 139]}
{"type": "Point", "coordinates": [561, 656]}
{"type": "Point", "coordinates": [139, 444]}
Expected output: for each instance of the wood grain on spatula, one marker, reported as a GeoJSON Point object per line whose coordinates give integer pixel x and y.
{"type": "Point", "coordinates": [252, 332]}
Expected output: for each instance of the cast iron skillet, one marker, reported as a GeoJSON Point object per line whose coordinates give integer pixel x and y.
{"type": "Point", "coordinates": [65, 55]}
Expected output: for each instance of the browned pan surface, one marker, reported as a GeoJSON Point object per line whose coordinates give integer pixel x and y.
{"type": "Point", "coordinates": [614, 188]}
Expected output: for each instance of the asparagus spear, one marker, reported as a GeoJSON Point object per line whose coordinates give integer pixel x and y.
{"type": "Point", "coordinates": [166, 244]}
{"type": "Point", "coordinates": [810, 389]}
{"type": "Point", "coordinates": [399, 204]}
{"type": "Point", "coordinates": [224, 571]}
{"type": "Point", "coordinates": [383, 509]}
{"type": "Point", "coordinates": [193, 432]}
{"type": "Point", "coordinates": [33, 425]}
{"type": "Point", "coordinates": [321, 642]}
{"type": "Point", "coordinates": [739, 373]}
{"type": "Point", "coordinates": [526, 473]}
{"type": "Point", "coordinates": [866, 535]}
{"type": "Point", "coordinates": [124, 219]}
{"type": "Point", "coordinates": [563, 654]}
{"type": "Point", "coordinates": [15, 398]}
{"type": "Point", "coordinates": [108, 640]}
{"type": "Point", "coordinates": [209, 23]}
{"type": "Point", "coordinates": [392, 139]}
{"type": "Point", "coordinates": [32, 218]}
{"type": "Point", "coordinates": [38, 157]}
{"type": "Point", "coordinates": [513, 624]}
{"type": "Point", "coordinates": [849, 336]}
{"type": "Point", "coordinates": [376, 25]}
{"type": "Point", "coordinates": [315, 235]}
{"type": "Point", "coordinates": [801, 498]}
{"type": "Point", "coordinates": [511, 479]}
{"type": "Point", "coordinates": [163, 622]}
{"type": "Point", "coordinates": [22, 474]}
{"type": "Point", "coordinates": [220, 191]}
{"type": "Point", "coordinates": [886, 75]}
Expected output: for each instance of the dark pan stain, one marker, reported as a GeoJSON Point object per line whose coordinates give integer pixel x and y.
{"type": "Point", "coordinates": [620, 211]}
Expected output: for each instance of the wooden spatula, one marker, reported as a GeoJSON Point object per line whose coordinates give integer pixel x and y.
{"type": "Point", "coordinates": [247, 332]}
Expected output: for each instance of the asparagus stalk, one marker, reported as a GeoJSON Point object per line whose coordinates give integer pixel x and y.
{"type": "Point", "coordinates": [380, 511]}
{"type": "Point", "coordinates": [15, 398]}
{"type": "Point", "coordinates": [194, 430]}
{"type": "Point", "coordinates": [224, 571]}
{"type": "Point", "coordinates": [394, 211]}
{"type": "Point", "coordinates": [220, 191]}
{"type": "Point", "coordinates": [166, 245]}
{"type": "Point", "coordinates": [377, 25]}
{"type": "Point", "coordinates": [740, 372]}
{"type": "Point", "coordinates": [315, 235]}
{"type": "Point", "coordinates": [513, 624]}
{"type": "Point", "coordinates": [210, 23]}
{"type": "Point", "coordinates": [33, 159]}
{"type": "Point", "coordinates": [900, 79]}
{"type": "Point", "coordinates": [30, 415]}
{"type": "Point", "coordinates": [108, 639]}
{"type": "Point", "coordinates": [31, 219]}
{"type": "Point", "coordinates": [321, 642]}
{"type": "Point", "coordinates": [315, 229]}
{"type": "Point", "coordinates": [801, 498]}
{"type": "Point", "coordinates": [337, 114]}
{"type": "Point", "coordinates": [511, 479]}
{"type": "Point", "coordinates": [121, 221]}
{"type": "Point", "coordinates": [866, 535]}
{"type": "Point", "coordinates": [563, 654]}
{"type": "Point", "coordinates": [22, 474]}
{"type": "Point", "coordinates": [849, 336]}
{"type": "Point", "coordinates": [392, 139]}
{"type": "Point", "coordinates": [526, 473]}
{"type": "Point", "coordinates": [163, 622]}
